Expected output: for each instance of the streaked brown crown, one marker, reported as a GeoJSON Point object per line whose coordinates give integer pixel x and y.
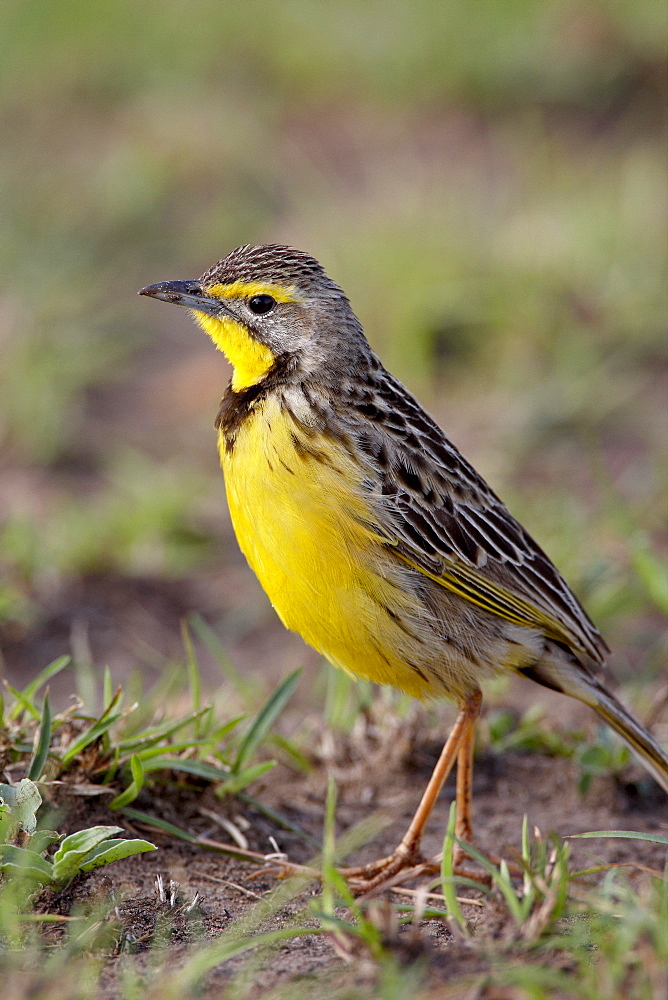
{"type": "Point", "coordinates": [273, 264]}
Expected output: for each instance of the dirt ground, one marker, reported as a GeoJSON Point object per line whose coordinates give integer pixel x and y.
{"type": "Point", "coordinates": [506, 787]}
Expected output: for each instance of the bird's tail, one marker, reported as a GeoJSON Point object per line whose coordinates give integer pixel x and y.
{"type": "Point", "coordinates": [556, 671]}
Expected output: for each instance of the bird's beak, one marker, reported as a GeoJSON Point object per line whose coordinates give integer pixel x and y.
{"type": "Point", "coordinates": [186, 293]}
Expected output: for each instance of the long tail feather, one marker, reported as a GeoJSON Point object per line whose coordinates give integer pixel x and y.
{"type": "Point", "coordinates": [635, 735]}
{"type": "Point", "coordinates": [556, 671]}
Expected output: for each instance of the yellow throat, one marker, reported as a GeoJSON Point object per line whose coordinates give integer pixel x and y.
{"type": "Point", "coordinates": [250, 359]}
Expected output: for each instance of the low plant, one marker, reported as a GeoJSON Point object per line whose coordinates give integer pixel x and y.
{"type": "Point", "coordinates": [23, 848]}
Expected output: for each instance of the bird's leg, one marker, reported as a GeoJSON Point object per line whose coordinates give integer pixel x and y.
{"type": "Point", "coordinates": [464, 792]}
{"type": "Point", "coordinates": [458, 747]}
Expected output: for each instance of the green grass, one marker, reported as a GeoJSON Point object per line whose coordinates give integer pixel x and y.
{"type": "Point", "coordinates": [120, 748]}
{"type": "Point", "coordinates": [565, 936]}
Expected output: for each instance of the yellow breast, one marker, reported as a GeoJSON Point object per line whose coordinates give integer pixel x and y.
{"type": "Point", "coordinates": [300, 521]}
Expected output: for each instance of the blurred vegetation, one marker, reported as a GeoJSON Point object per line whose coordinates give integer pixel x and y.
{"type": "Point", "coordinates": [487, 182]}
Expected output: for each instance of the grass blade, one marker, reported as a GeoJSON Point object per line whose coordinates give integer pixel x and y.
{"type": "Point", "coordinates": [134, 788]}
{"type": "Point", "coordinates": [653, 838]}
{"type": "Point", "coordinates": [157, 734]}
{"type": "Point", "coordinates": [155, 823]}
{"type": "Point", "coordinates": [208, 638]}
{"type": "Point", "coordinates": [193, 668]}
{"type": "Point", "coordinates": [265, 720]}
{"type": "Point", "coordinates": [21, 703]}
{"type": "Point", "coordinates": [31, 689]}
{"type": "Point", "coordinates": [447, 874]}
{"type": "Point", "coordinates": [197, 767]}
{"type": "Point", "coordinates": [106, 687]}
{"type": "Point", "coordinates": [185, 981]}
{"type": "Point", "coordinates": [237, 782]}
{"type": "Point", "coordinates": [328, 851]}
{"type": "Point", "coordinates": [165, 749]}
{"type": "Point", "coordinates": [97, 730]}
{"type": "Point", "coordinates": [280, 820]}
{"type": "Point", "coordinates": [43, 742]}
{"type": "Point", "coordinates": [500, 878]}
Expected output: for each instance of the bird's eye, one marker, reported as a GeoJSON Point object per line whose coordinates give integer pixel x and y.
{"type": "Point", "coordinates": [260, 304]}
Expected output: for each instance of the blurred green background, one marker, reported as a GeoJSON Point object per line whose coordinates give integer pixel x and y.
{"type": "Point", "coordinates": [486, 181]}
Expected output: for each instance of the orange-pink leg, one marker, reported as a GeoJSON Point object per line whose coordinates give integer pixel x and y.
{"type": "Point", "coordinates": [464, 793]}
{"type": "Point", "coordinates": [458, 748]}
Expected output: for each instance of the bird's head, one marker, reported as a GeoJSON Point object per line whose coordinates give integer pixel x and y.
{"type": "Point", "coordinates": [267, 305]}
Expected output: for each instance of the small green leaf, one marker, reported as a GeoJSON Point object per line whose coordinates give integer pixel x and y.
{"type": "Point", "coordinates": [23, 801]}
{"type": "Point", "coordinates": [42, 839]}
{"type": "Point", "coordinates": [74, 849]}
{"type": "Point", "coordinates": [137, 770]}
{"type": "Point", "coordinates": [85, 840]}
{"type": "Point", "coordinates": [114, 850]}
{"type": "Point", "coordinates": [23, 862]}
{"type": "Point", "coordinates": [595, 759]}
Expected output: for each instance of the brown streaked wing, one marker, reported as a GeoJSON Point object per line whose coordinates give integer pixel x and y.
{"type": "Point", "coordinates": [444, 518]}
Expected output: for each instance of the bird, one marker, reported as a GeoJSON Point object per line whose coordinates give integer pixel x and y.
{"type": "Point", "coordinates": [372, 535]}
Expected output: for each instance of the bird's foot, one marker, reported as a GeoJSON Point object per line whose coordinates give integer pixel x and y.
{"type": "Point", "coordinates": [399, 867]}
{"type": "Point", "coordinates": [403, 865]}
{"type": "Point", "coordinates": [406, 862]}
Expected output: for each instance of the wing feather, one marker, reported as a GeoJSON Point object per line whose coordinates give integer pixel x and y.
{"type": "Point", "coordinates": [444, 520]}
